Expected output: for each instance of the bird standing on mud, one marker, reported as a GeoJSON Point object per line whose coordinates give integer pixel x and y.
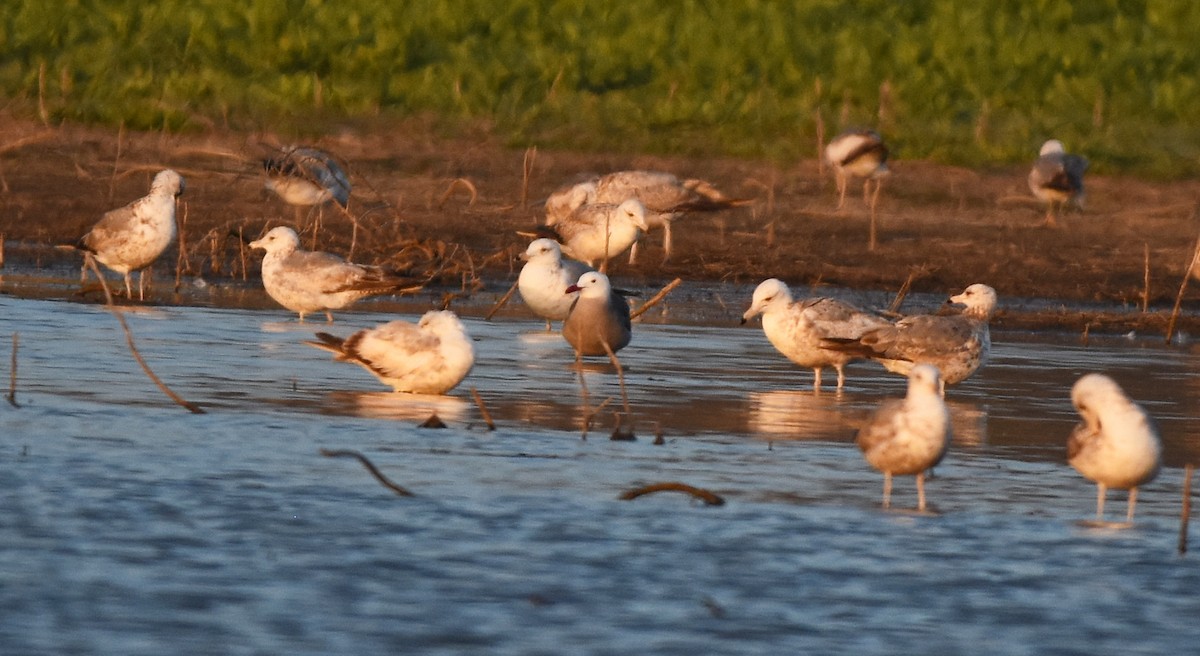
{"type": "Point", "coordinates": [307, 177]}
{"type": "Point", "coordinates": [909, 436]}
{"type": "Point", "coordinates": [132, 237]}
{"type": "Point", "coordinates": [308, 281]}
{"type": "Point", "coordinates": [1116, 445]}
{"type": "Point", "coordinates": [597, 232]}
{"type": "Point", "coordinates": [1057, 179]}
{"type": "Point", "coordinates": [796, 329]}
{"type": "Point", "coordinates": [862, 154]}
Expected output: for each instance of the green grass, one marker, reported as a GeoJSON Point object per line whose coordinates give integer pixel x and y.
{"type": "Point", "coordinates": [971, 83]}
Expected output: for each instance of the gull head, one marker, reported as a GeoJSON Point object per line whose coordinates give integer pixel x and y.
{"type": "Point", "coordinates": [633, 210]}
{"type": "Point", "coordinates": [1093, 393]}
{"type": "Point", "coordinates": [279, 240]}
{"type": "Point", "coordinates": [544, 249]}
{"type": "Point", "coordinates": [1051, 147]}
{"type": "Point", "coordinates": [770, 293]}
{"type": "Point", "coordinates": [925, 379]}
{"type": "Point", "coordinates": [441, 322]}
{"type": "Point", "coordinates": [168, 182]}
{"type": "Point", "coordinates": [980, 300]}
{"type": "Point", "coordinates": [592, 284]}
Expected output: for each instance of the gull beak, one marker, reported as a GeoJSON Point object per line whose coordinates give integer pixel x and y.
{"type": "Point", "coordinates": [572, 289]}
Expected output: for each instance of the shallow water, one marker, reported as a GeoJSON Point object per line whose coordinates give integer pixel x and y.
{"type": "Point", "coordinates": [132, 526]}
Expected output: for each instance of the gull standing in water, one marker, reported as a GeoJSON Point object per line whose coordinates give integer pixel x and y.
{"type": "Point", "coordinates": [598, 317]}
{"type": "Point", "coordinates": [796, 328]}
{"type": "Point", "coordinates": [909, 436]}
{"type": "Point", "coordinates": [957, 345]}
{"type": "Point", "coordinates": [429, 357]}
{"type": "Point", "coordinates": [1116, 445]}
{"type": "Point", "coordinates": [600, 231]}
{"type": "Point", "coordinates": [862, 154]}
{"type": "Point", "coordinates": [132, 237]}
{"type": "Point", "coordinates": [307, 177]}
{"type": "Point", "coordinates": [307, 281]}
{"type": "Point", "coordinates": [545, 277]}
{"type": "Point", "coordinates": [1057, 179]}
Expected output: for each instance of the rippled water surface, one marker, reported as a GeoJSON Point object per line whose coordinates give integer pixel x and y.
{"type": "Point", "coordinates": [131, 526]}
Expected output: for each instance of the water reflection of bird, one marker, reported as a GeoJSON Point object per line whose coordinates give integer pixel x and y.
{"type": "Point", "coordinates": [312, 281]}
{"type": "Point", "coordinates": [599, 319]}
{"type": "Point", "coordinates": [545, 277]}
{"type": "Point", "coordinates": [131, 238]}
{"type": "Point", "coordinates": [307, 177]}
{"type": "Point", "coordinates": [800, 415]}
{"type": "Point", "coordinates": [956, 344]}
{"type": "Point", "coordinates": [1116, 445]}
{"type": "Point", "coordinates": [387, 405]}
{"type": "Point", "coordinates": [1057, 178]}
{"type": "Point", "coordinates": [862, 154]}
{"type": "Point", "coordinates": [429, 357]}
{"type": "Point", "coordinates": [796, 329]}
{"type": "Point", "coordinates": [909, 436]}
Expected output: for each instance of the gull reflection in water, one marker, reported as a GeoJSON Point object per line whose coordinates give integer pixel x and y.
{"type": "Point", "coordinates": [390, 405]}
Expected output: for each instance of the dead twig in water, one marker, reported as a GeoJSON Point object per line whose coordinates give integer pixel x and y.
{"type": "Point", "coordinates": [116, 312]}
{"type": "Point", "coordinates": [1186, 512]}
{"type": "Point", "coordinates": [1182, 288]}
{"type": "Point", "coordinates": [12, 375]}
{"type": "Point", "coordinates": [383, 480]}
{"type": "Point", "coordinates": [656, 299]}
{"type": "Point", "coordinates": [704, 495]}
{"type": "Point", "coordinates": [487, 416]}
{"type": "Point", "coordinates": [502, 302]}
{"type": "Point", "coordinates": [900, 295]}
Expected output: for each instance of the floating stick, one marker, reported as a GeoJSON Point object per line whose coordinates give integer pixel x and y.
{"type": "Point", "coordinates": [12, 375]}
{"type": "Point", "coordinates": [900, 295]}
{"type": "Point", "coordinates": [383, 480]}
{"type": "Point", "coordinates": [704, 495]}
{"type": "Point", "coordinates": [1182, 288]}
{"type": "Point", "coordinates": [656, 299]}
{"type": "Point", "coordinates": [116, 312]}
{"type": "Point", "coordinates": [502, 302]}
{"type": "Point", "coordinates": [487, 416]}
{"type": "Point", "coordinates": [1186, 512]}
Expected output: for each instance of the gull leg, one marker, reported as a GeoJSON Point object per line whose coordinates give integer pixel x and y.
{"type": "Point", "coordinates": [817, 380]}
{"type": "Point", "coordinates": [128, 287]}
{"type": "Point", "coordinates": [887, 489]}
{"type": "Point", "coordinates": [841, 372]}
{"type": "Point", "coordinates": [328, 316]}
{"type": "Point", "coordinates": [1132, 504]}
{"type": "Point", "coordinates": [142, 285]}
{"type": "Point", "coordinates": [921, 491]}
{"type": "Point", "coordinates": [866, 191]}
{"type": "Point", "coordinates": [841, 185]}
{"type": "Point", "coordinates": [633, 252]}
{"type": "Point", "coordinates": [666, 241]}
{"type": "Point", "coordinates": [1101, 490]}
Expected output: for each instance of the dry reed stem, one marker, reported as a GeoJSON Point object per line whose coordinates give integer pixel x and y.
{"type": "Point", "coordinates": [112, 181]}
{"type": "Point", "coordinates": [656, 299]}
{"type": "Point", "coordinates": [1, 250]}
{"type": "Point", "coordinates": [383, 480]}
{"type": "Point", "coordinates": [526, 172]}
{"type": "Point", "coordinates": [42, 112]}
{"type": "Point", "coordinates": [1186, 512]}
{"type": "Point", "coordinates": [487, 416]}
{"type": "Point", "coordinates": [900, 295]}
{"type": "Point", "coordinates": [1145, 277]}
{"type": "Point", "coordinates": [12, 374]}
{"type": "Point", "coordinates": [1182, 288]}
{"type": "Point", "coordinates": [704, 495]}
{"type": "Point", "coordinates": [470, 187]}
{"type": "Point", "coordinates": [24, 141]}
{"type": "Point", "coordinates": [116, 312]}
{"type": "Point", "coordinates": [181, 257]}
{"type": "Point", "coordinates": [501, 303]}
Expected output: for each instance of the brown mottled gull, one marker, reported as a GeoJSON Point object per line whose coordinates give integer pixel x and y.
{"type": "Point", "coordinates": [796, 329]}
{"type": "Point", "coordinates": [1116, 445]}
{"type": "Point", "coordinates": [600, 231]}
{"type": "Point", "coordinates": [132, 237]}
{"type": "Point", "coordinates": [306, 281]}
{"type": "Point", "coordinates": [429, 357]}
{"type": "Point", "coordinates": [907, 437]}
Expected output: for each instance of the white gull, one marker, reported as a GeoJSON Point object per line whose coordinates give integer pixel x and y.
{"type": "Point", "coordinates": [545, 277]}
{"type": "Point", "coordinates": [598, 317]}
{"type": "Point", "coordinates": [429, 357]}
{"type": "Point", "coordinates": [796, 328]}
{"type": "Point", "coordinates": [909, 436]}
{"type": "Point", "coordinates": [131, 238]}
{"type": "Point", "coordinates": [599, 231]}
{"type": "Point", "coordinates": [1057, 178]}
{"type": "Point", "coordinates": [956, 344]}
{"type": "Point", "coordinates": [306, 281]}
{"type": "Point", "coordinates": [1116, 445]}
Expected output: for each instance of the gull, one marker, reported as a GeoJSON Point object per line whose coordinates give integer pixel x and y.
{"type": "Point", "coordinates": [665, 198]}
{"type": "Point", "coordinates": [130, 238]}
{"type": "Point", "coordinates": [796, 328]}
{"type": "Point", "coordinates": [429, 357]}
{"type": "Point", "coordinates": [1116, 445]}
{"type": "Point", "coordinates": [307, 281]}
{"type": "Point", "coordinates": [957, 345]}
{"type": "Point", "coordinates": [600, 231]}
{"type": "Point", "coordinates": [1057, 178]}
{"type": "Point", "coordinates": [859, 153]}
{"type": "Point", "coordinates": [562, 202]}
{"type": "Point", "coordinates": [598, 317]}
{"type": "Point", "coordinates": [306, 177]}
{"type": "Point", "coordinates": [908, 436]}
{"type": "Point", "coordinates": [545, 278]}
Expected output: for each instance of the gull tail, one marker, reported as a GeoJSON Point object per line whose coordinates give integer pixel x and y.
{"type": "Point", "coordinates": [332, 343]}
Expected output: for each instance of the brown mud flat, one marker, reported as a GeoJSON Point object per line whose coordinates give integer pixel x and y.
{"type": "Point", "coordinates": [451, 207]}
